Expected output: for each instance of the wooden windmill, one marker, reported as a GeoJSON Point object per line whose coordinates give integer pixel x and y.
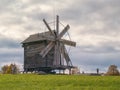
{"type": "Point", "coordinates": [58, 44]}
{"type": "Point", "coordinates": [49, 52]}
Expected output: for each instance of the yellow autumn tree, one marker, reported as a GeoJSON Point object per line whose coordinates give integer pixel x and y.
{"type": "Point", "coordinates": [112, 70]}
{"type": "Point", "coordinates": [10, 69]}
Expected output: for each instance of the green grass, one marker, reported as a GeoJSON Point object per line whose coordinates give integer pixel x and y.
{"type": "Point", "coordinates": [58, 82]}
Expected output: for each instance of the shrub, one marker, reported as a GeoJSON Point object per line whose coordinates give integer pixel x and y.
{"type": "Point", "coordinates": [10, 69]}
{"type": "Point", "coordinates": [112, 70]}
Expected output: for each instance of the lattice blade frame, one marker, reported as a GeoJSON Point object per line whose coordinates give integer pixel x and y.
{"type": "Point", "coordinates": [68, 42]}
{"type": "Point", "coordinates": [44, 52]}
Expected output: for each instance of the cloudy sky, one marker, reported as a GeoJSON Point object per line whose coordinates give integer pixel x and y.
{"type": "Point", "coordinates": [94, 25]}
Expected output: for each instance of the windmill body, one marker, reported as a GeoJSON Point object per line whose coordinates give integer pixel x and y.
{"type": "Point", "coordinates": [46, 51]}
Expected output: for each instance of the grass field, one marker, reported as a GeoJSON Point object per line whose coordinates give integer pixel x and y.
{"type": "Point", "coordinates": [58, 82]}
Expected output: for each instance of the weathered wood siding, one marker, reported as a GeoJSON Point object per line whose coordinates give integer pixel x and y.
{"type": "Point", "coordinates": [32, 58]}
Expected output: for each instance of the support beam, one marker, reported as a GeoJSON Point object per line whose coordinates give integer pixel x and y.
{"type": "Point", "coordinates": [57, 25]}
{"type": "Point", "coordinates": [48, 27]}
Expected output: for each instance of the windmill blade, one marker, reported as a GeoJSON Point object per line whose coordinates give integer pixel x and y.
{"type": "Point", "coordinates": [57, 54]}
{"type": "Point", "coordinates": [47, 49]}
{"type": "Point", "coordinates": [57, 25]}
{"type": "Point", "coordinates": [48, 27]}
{"type": "Point", "coordinates": [65, 55]}
{"type": "Point", "coordinates": [64, 31]}
{"type": "Point", "coordinates": [68, 42]}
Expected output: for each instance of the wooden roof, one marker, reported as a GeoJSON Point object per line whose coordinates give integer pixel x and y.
{"type": "Point", "coordinates": [38, 37]}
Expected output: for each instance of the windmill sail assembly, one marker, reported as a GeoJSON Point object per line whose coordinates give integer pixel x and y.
{"type": "Point", "coordinates": [46, 51]}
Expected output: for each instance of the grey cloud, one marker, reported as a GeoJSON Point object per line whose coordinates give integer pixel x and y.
{"type": "Point", "coordinates": [50, 2]}
{"type": "Point", "coordinates": [38, 15]}
{"type": "Point", "coordinates": [4, 5]}
{"type": "Point", "coordinates": [11, 55]}
{"type": "Point", "coordinates": [11, 59]}
{"type": "Point", "coordinates": [11, 20]}
{"type": "Point", "coordinates": [11, 52]}
{"type": "Point", "coordinates": [9, 43]}
{"type": "Point", "coordinates": [106, 11]}
{"type": "Point", "coordinates": [95, 59]}
{"type": "Point", "coordinates": [84, 9]}
{"type": "Point", "coordinates": [107, 47]}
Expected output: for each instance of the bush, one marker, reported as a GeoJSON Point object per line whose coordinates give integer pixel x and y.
{"type": "Point", "coordinates": [10, 69]}
{"type": "Point", "coordinates": [112, 70]}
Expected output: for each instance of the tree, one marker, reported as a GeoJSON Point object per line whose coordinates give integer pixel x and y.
{"type": "Point", "coordinates": [4, 69]}
{"type": "Point", "coordinates": [10, 69]}
{"type": "Point", "coordinates": [112, 70]}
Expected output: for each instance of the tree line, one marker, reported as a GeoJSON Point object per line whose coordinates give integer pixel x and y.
{"type": "Point", "coordinates": [14, 69]}
{"type": "Point", "coordinates": [10, 69]}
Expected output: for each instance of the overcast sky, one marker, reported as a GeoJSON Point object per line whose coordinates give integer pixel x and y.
{"type": "Point", "coordinates": [94, 25]}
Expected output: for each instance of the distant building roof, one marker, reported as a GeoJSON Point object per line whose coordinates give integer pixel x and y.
{"type": "Point", "coordinates": [38, 37]}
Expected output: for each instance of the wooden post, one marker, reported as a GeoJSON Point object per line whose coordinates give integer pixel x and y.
{"type": "Point", "coordinates": [59, 71]}
{"type": "Point", "coordinates": [57, 25]}
{"type": "Point", "coordinates": [63, 71]}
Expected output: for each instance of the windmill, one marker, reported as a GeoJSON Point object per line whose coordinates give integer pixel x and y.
{"type": "Point", "coordinates": [59, 44]}
{"type": "Point", "coordinates": [46, 51]}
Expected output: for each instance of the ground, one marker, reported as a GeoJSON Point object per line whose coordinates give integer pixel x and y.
{"type": "Point", "coordinates": [58, 82]}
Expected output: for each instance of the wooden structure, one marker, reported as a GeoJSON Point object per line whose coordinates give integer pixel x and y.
{"type": "Point", "coordinates": [46, 51]}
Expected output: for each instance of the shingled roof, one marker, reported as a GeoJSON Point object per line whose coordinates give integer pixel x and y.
{"type": "Point", "coordinates": [38, 37]}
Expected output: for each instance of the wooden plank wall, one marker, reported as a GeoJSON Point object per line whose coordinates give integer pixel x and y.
{"type": "Point", "coordinates": [32, 57]}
